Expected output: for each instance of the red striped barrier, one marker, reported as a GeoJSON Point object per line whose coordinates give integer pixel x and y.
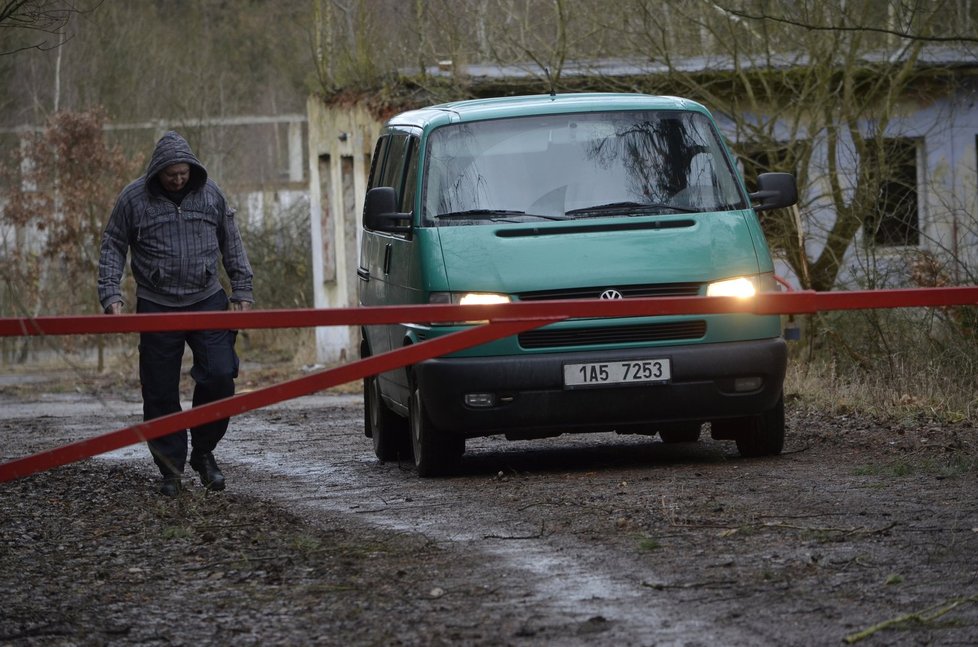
{"type": "Point", "coordinates": [504, 320]}
{"type": "Point", "coordinates": [238, 404]}
{"type": "Point", "coordinates": [801, 302]}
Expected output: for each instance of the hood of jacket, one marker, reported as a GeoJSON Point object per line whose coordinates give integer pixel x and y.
{"type": "Point", "coordinates": [174, 149]}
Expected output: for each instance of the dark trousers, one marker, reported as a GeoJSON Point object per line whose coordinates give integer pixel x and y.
{"type": "Point", "coordinates": [214, 369]}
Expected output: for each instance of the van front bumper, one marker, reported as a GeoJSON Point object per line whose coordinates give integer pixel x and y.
{"type": "Point", "coordinates": [531, 397]}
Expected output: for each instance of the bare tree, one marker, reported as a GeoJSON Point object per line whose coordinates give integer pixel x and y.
{"type": "Point", "coordinates": [407, 39]}
{"type": "Point", "coordinates": [807, 86]}
{"type": "Point", "coordinates": [811, 87]}
{"type": "Point", "coordinates": [352, 48]}
{"type": "Point", "coordinates": [59, 187]}
{"type": "Point", "coordinates": [44, 19]}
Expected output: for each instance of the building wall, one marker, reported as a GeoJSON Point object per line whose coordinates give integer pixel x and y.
{"type": "Point", "coordinates": [340, 143]}
{"type": "Point", "coordinates": [945, 129]}
{"type": "Point", "coordinates": [951, 172]}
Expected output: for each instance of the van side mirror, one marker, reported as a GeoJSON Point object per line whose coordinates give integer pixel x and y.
{"type": "Point", "coordinates": [774, 191]}
{"type": "Point", "coordinates": [380, 212]}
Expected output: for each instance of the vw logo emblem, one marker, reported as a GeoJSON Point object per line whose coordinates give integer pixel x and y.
{"type": "Point", "coordinates": [611, 294]}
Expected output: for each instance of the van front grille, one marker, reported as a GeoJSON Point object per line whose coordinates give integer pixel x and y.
{"type": "Point", "coordinates": [550, 338]}
{"type": "Point", "coordinates": [627, 292]}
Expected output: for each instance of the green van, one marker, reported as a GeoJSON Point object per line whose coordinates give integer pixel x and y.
{"type": "Point", "coordinates": [569, 196]}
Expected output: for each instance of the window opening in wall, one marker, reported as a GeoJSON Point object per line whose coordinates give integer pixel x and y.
{"type": "Point", "coordinates": [349, 241]}
{"type": "Point", "coordinates": [326, 218]}
{"type": "Point", "coordinates": [756, 158]}
{"type": "Point", "coordinates": [894, 218]}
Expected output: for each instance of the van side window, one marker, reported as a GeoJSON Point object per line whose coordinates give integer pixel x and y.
{"type": "Point", "coordinates": [377, 161]}
{"type": "Point", "coordinates": [410, 177]}
{"type": "Point", "coordinates": [393, 173]}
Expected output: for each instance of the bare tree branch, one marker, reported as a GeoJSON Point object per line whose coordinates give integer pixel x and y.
{"type": "Point", "coordinates": [45, 16]}
{"type": "Point", "coordinates": [854, 28]}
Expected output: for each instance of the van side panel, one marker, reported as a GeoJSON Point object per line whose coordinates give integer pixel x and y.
{"type": "Point", "coordinates": [415, 270]}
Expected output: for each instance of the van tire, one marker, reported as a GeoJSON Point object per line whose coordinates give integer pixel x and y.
{"type": "Point", "coordinates": [763, 434]}
{"type": "Point", "coordinates": [683, 432]}
{"type": "Point", "coordinates": [436, 453]}
{"type": "Point", "coordinates": [388, 431]}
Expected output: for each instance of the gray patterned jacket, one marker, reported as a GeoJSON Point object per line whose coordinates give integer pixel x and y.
{"type": "Point", "coordinates": [175, 248]}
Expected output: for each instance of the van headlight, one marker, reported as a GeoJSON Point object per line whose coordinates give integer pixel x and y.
{"type": "Point", "coordinates": [467, 299]}
{"type": "Point", "coordinates": [742, 287]}
{"type": "Point", "coordinates": [482, 299]}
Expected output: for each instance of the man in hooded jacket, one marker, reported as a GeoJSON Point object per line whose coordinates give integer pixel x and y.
{"type": "Point", "coordinates": [177, 225]}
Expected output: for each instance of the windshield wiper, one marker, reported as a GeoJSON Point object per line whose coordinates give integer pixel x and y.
{"type": "Point", "coordinates": [643, 207]}
{"type": "Point", "coordinates": [468, 213]}
{"type": "Point", "coordinates": [494, 214]}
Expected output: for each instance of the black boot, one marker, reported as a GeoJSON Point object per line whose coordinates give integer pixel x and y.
{"type": "Point", "coordinates": [210, 474]}
{"type": "Point", "coordinates": [172, 485]}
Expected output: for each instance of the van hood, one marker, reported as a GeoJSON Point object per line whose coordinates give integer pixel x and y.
{"type": "Point", "coordinates": [606, 252]}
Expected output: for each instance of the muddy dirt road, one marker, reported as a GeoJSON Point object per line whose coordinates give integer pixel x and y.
{"type": "Point", "coordinates": [576, 540]}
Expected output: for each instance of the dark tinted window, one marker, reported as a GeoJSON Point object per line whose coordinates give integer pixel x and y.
{"type": "Point", "coordinates": [377, 161]}
{"type": "Point", "coordinates": [755, 158]}
{"type": "Point", "coordinates": [393, 173]}
{"type": "Point", "coordinates": [410, 177]}
{"type": "Point", "coordinates": [895, 219]}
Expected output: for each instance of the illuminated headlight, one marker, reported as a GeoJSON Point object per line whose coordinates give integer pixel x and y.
{"type": "Point", "coordinates": [482, 299]}
{"type": "Point", "coordinates": [741, 287]}
{"type": "Point", "coordinates": [468, 299]}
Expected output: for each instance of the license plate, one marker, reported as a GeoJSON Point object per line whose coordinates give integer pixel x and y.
{"type": "Point", "coordinates": [636, 371]}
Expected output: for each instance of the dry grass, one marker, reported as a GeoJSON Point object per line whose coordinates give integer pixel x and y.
{"type": "Point", "coordinates": [267, 358]}
{"type": "Point", "coordinates": [935, 395]}
{"type": "Point", "coordinates": [890, 366]}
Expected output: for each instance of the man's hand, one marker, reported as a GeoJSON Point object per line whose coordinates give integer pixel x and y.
{"type": "Point", "coordinates": [241, 305]}
{"type": "Point", "coordinates": [114, 308]}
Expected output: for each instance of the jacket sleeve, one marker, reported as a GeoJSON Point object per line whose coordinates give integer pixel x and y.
{"type": "Point", "coordinates": [112, 256]}
{"type": "Point", "coordinates": [234, 256]}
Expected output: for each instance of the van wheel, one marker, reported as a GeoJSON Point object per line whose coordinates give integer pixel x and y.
{"type": "Point", "coordinates": [436, 453]}
{"type": "Point", "coordinates": [763, 434]}
{"type": "Point", "coordinates": [683, 432]}
{"type": "Point", "coordinates": [388, 430]}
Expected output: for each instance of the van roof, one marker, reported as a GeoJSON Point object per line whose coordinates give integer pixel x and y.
{"type": "Point", "coordinates": [541, 104]}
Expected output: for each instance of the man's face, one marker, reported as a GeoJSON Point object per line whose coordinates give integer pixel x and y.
{"type": "Point", "coordinates": [175, 176]}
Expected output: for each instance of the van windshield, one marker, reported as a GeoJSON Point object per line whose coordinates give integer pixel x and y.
{"type": "Point", "coordinates": [572, 166]}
